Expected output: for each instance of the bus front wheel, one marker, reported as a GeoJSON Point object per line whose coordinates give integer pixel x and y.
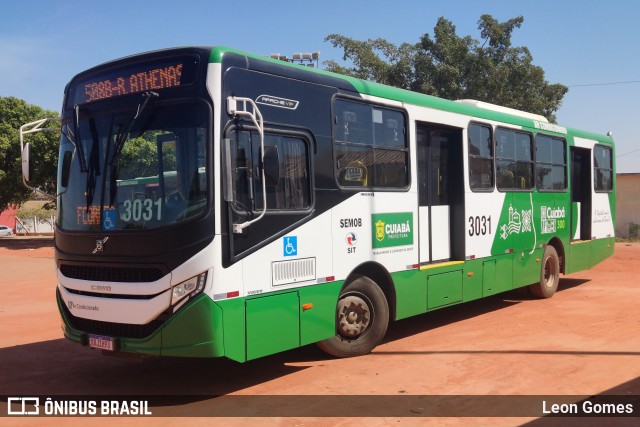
{"type": "Point", "coordinates": [549, 275]}
{"type": "Point", "coordinates": [362, 317]}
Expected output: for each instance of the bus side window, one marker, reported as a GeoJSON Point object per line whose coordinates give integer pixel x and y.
{"type": "Point", "coordinates": [514, 160]}
{"type": "Point", "coordinates": [288, 184]}
{"type": "Point", "coordinates": [291, 189]}
{"type": "Point", "coordinates": [551, 163]}
{"type": "Point", "coordinates": [480, 157]}
{"type": "Point", "coordinates": [241, 175]}
{"type": "Point", "coordinates": [370, 146]}
{"type": "Point", "coordinates": [602, 168]}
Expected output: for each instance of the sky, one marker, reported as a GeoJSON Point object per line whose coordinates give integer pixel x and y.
{"type": "Point", "coordinates": [587, 45]}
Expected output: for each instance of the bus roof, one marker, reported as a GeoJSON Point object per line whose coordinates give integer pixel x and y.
{"type": "Point", "coordinates": [477, 109]}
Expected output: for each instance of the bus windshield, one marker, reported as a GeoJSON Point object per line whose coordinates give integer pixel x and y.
{"type": "Point", "coordinates": [141, 169]}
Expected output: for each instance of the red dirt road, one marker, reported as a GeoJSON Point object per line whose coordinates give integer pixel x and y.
{"type": "Point", "coordinates": [583, 341]}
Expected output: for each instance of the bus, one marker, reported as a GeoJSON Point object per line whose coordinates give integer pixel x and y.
{"type": "Point", "coordinates": [216, 203]}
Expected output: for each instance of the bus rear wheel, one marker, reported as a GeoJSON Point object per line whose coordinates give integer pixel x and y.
{"type": "Point", "coordinates": [362, 317]}
{"type": "Point", "coordinates": [549, 275]}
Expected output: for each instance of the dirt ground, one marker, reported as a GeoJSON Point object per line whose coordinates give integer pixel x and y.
{"type": "Point", "coordinates": [584, 341]}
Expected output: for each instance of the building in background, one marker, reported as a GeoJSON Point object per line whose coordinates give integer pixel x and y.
{"type": "Point", "coordinates": [8, 218]}
{"type": "Point", "coordinates": [29, 219]}
{"type": "Point", "coordinates": [628, 205]}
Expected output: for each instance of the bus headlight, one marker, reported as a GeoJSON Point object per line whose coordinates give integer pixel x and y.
{"type": "Point", "coordinates": [190, 287]}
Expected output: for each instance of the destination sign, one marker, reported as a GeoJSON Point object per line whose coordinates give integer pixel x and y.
{"type": "Point", "coordinates": [156, 75]}
{"type": "Point", "coordinates": [139, 81]}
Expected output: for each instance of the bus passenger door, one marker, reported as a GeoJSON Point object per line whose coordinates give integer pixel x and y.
{"type": "Point", "coordinates": [580, 193]}
{"type": "Point", "coordinates": [440, 189]}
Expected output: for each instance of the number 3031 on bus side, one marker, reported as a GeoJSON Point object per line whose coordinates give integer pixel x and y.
{"type": "Point", "coordinates": [480, 225]}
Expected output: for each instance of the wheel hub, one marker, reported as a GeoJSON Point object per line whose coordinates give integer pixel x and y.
{"type": "Point", "coordinates": [354, 316]}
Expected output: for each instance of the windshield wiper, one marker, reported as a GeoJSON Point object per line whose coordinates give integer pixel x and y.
{"type": "Point", "coordinates": [78, 145]}
{"type": "Point", "coordinates": [93, 169]}
{"type": "Point", "coordinates": [122, 138]}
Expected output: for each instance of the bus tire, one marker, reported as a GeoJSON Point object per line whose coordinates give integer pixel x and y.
{"type": "Point", "coordinates": [549, 275]}
{"type": "Point", "coordinates": [362, 317]}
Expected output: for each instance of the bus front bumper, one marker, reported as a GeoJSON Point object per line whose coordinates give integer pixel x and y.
{"type": "Point", "coordinates": [194, 331]}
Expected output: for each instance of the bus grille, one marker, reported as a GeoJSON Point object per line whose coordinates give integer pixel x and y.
{"type": "Point", "coordinates": [111, 274]}
{"type": "Point", "coordinates": [293, 271]}
{"type": "Point", "coordinates": [116, 330]}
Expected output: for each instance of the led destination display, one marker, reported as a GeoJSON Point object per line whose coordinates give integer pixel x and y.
{"type": "Point", "coordinates": [157, 75]}
{"type": "Point", "coordinates": [140, 81]}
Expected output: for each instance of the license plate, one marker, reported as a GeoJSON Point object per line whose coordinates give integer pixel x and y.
{"type": "Point", "coordinates": [101, 342]}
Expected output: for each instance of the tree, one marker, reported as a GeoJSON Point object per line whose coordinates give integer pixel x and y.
{"type": "Point", "coordinates": [451, 67]}
{"type": "Point", "coordinates": [14, 113]}
{"type": "Point", "coordinates": [39, 210]}
{"type": "Point", "coordinates": [139, 156]}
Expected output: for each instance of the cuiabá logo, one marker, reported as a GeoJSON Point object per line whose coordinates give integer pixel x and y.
{"type": "Point", "coordinates": [392, 229]}
{"type": "Point", "coordinates": [380, 230]}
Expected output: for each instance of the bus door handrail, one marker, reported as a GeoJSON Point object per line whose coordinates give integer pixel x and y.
{"type": "Point", "coordinates": [237, 106]}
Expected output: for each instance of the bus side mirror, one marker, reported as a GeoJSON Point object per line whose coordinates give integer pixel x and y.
{"type": "Point", "coordinates": [27, 167]}
{"type": "Point", "coordinates": [66, 167]}
{"type": "Point", "coordinates": [26, 163]}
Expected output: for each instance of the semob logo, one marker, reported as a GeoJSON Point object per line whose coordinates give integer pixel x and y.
{"type": "Point", "coordinates": [23, 406]}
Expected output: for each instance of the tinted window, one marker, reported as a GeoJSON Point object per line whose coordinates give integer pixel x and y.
{"type": "Point", "coordinates": [602, 168]}
{"type": "Point", "coordinates": [287, 184]}
{"type": "Point", "coordinates": [480, 157]}
{"type": "Point", "coordinates": [551, 163]}
{"type": "Point", "coordinates": [370, 146]}
{"type": "Point", "coordinates": [514, 160]}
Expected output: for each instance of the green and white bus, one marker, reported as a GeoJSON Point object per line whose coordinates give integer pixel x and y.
{"type": "Point", "coordinates": [215, 203]}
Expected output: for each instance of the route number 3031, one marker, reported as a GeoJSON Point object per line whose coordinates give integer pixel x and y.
{"type": "Point", "coordinates": [138, 210]}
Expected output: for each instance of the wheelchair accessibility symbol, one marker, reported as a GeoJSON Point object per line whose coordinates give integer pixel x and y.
{"type": "Point", "coordinates": [108, 219]}
{"type": "Point", "coordinates": [290, 246]}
